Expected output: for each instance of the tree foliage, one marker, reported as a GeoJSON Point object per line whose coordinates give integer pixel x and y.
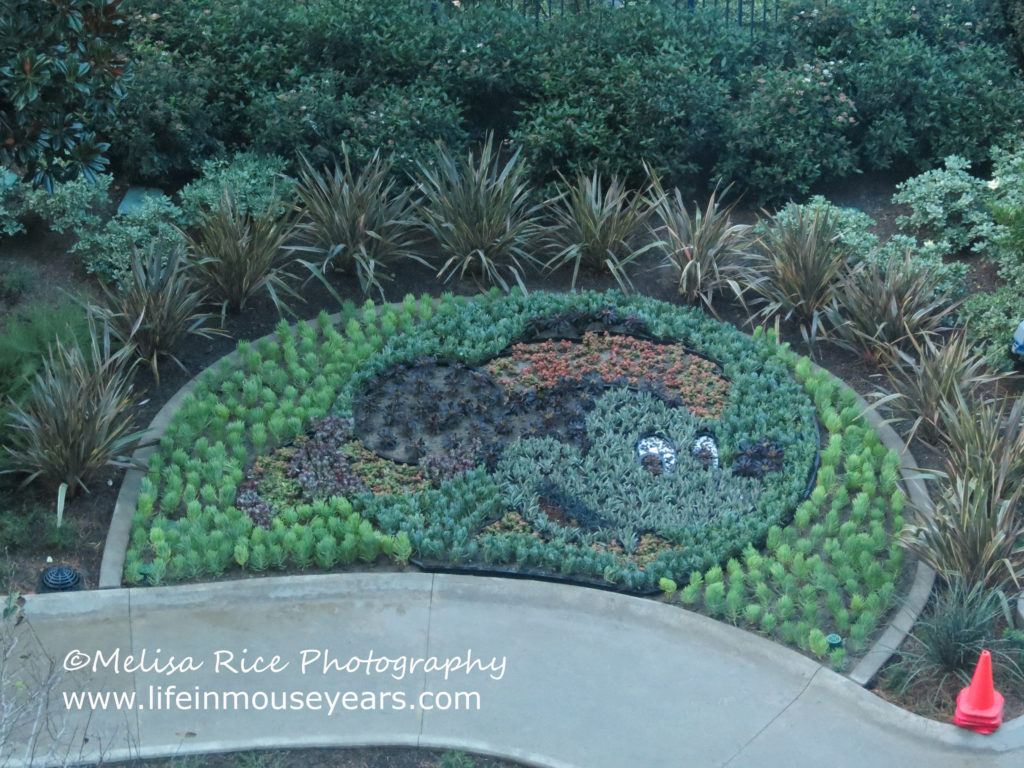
{"type": "Point", "coordinates": [59, 69]}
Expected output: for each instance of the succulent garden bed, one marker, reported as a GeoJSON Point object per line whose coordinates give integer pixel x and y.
{"type": "Point", "coordinates": [612, 440]}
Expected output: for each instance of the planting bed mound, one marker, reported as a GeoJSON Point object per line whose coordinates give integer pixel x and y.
{"type": "Point", "coordinates": [609, 440]}
{"type": "Point", "coordinates": [539, 435]}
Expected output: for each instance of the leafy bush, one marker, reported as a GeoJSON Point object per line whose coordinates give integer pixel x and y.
{"type": "Point", "coordinates": [107, 252]}
{"type": "Point", "coordinates": [597, 225]}
{"type": "Point", "coordinates": [706, 251]}
{"type": "Point", "coordinates": [59, 70]}
{"type": "Point", "coordinates": [12, 204]}
{"type": "Point", "coordinates": [406, 121]}
{"type": "Point", "coordinates": [360, 222]}
{"type": "Point", "coordinates": [812, 119]}
{"type": "Point", "coordinates": [936, 375]}
{"type": "Point", "coordinates": [610, 89]}
{"type": "Point", "coordinates": [948, 206]}
{"type": "Point", "coordinates": [865, 248]}
{"type": "Point", "coordinates": [26, 335]}
{"type": "Point", "coordinates": [253, 180]}
{"type": "Point", "coordinates": [976, 529]}
{"type": "Point", "coordinates": [69, 205]}
{"type": "Point", "coordinates": [881, 308]}
{"type": "Point", "coordinates": [1005, 201]}
{"type": "Point", "coordinates": [480, 213]}
{"type": "Point", "coordinates": [950, 278]}
{"type": "Point", "coordinates": [75, 417]}
{"type": "Point", "coordinates": [16, 280]}
{"type": "Point", "coordinates": [323, 112]}
{"type": "Point", "coordinates": [921, 100]}
{"type": "Point", "coordinates": [992, 318]}
{"type": "Point", "coordinates": [156, 306]}
{"type": "Point", "coordinates": [165, 124]}
{"type": "Point", "coordinates": [617, 114]}
{"type": "Point", "coordinates": [240, 253]}
{"type": "Point", "coordinates": [803, 264]}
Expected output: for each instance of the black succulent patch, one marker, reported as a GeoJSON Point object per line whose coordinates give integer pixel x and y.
{"type": "Point", "coordinates": [429, 409]}
{"type": "Point", "coordinates": [572, 324]}
{"type": "Point", "coordinates": [758, 459]}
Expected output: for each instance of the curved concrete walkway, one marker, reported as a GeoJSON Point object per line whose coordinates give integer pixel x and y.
{"type": "Point", "coordinates": [572, 678]}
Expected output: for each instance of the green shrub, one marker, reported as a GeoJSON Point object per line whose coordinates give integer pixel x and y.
{"type": "Point", "coordinates": [16, 280]}
{"type": "Point", "coordinates": [320, 114]}
{"type": "Point", "coordinates": [254, 181]}
{"type": "Point", "coordinates": [812, 118]}
{"type": "Point", "coordinates": [107, 252]}
{"type": "Point", "coordinates": [12, 204]}
{"type": "Point", "coordinates": [58, 72]}
{"type": "Point", "coordinates": [26, 335]}
{"type": "Point", "coordinates": [1005, 201]}
{"type": "Point", "coordinates": [947, 206]}
{"type": "Point", "coordinates": [75, 417]}
{"type": "Point", "coordinates": [597, 225]}
{"type": "Point", "coordinates": [406, 121]}
{"type": "Point", "coordinates": [304, 116]}
{"type": "Point", "coordinates": [166, 124]}
{"type": "Point", "coordinates": [992, 318]}
{"type": "Point", "coordinates": [617, 114]}
{"type": "Point", "coordinates": [156, 306]}
{"type": "Point", "coordinates": [238, 254]}
{"type": "Point", "coordinates": [480, 213]}
{"type": "Point", "coordinates": [854, 232]}
{"type": "Point", "coordinates": [70, 206]}
{"type": "Point", "coordinates": [922, 100]}
{"type": "Point", "coordinates": [359, 222]}
{"type": "Point", "coordinates": [20, 523]}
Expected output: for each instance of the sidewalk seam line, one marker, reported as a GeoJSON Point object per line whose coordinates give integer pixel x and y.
{"type": "Point", "coordinates": [426, 654]}
{"type": "Point", "coordinates": [771, 722]}
{"type": "Point", "coordinates": [135, 677]}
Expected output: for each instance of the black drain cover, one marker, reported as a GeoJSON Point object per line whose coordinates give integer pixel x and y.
{"type": "Point", "coordinates": [60, 578]}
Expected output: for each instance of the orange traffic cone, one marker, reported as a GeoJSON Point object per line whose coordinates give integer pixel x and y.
{"type": "Point", "coordinates": [979, 706]}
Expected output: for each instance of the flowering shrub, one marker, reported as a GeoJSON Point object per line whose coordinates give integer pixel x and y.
{"type": "Point", "coordinates": [790, 128]}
